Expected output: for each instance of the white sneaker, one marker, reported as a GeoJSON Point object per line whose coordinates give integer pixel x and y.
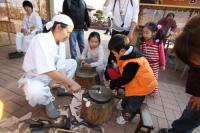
{"type": "Point", "coordinates": [121, 120]}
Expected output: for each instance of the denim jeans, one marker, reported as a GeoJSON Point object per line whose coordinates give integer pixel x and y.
{"type": "Point", "coordinates": [76, 36]}
{"type": "Point", "coordinates": [189, 120]}
{"type": "Point", "coordinates": [132, 105]}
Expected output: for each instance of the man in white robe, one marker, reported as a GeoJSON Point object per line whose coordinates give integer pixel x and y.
{"type": "Point", "coordinates": [45, 61]}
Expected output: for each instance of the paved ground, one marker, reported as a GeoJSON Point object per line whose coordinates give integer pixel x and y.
{"type": "Point", "coordinates": [164, 108]}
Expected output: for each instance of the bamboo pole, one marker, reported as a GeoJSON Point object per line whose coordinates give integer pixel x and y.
{"type": "Point", "coordinates": [48, 9]}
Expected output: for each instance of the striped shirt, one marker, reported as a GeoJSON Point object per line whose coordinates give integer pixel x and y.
{"type": "Point", "coordinates": [153, 52]}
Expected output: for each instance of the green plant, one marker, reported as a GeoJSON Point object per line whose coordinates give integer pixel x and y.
{"type": "Point", "coordinates": [99, 15]}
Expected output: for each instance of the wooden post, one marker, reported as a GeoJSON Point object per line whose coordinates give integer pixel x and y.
{"type": "Point", "coordinates": [51, 8]}
{"type": "Point", "coordinates": [140, 15]}
{"type": "Point", "coordinates": [8, 13]}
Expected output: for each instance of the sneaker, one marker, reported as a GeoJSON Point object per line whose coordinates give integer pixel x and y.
{"type": "Point", "coordinates": [16, 55]}
{"type": "Point", "coordinates": [13, 53]}
{"type": "Point", "coordinates": [165, 130]}
{"type": "Point", "coordinates": [121, 120]}
{"type": "Point", "coordinates": [51, 111]}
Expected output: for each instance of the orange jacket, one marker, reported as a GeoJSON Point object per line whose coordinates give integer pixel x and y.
{"type": "Point", "coordinates": [144, 81]}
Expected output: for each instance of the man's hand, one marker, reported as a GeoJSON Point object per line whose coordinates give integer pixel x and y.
{"type": "Point", "coordinates": [132, 29]}
{"type": "Point", "coordinates": [195, 102]}
{"type": "Point", "coordinates": [60, 77]}
{"type": "Point", "coordinates": [23, 31]}
{"type": "Point", "coordinates": [73, 86]}
{"type": "Point", "coordinates": [32, 28]}
{"type": "Point", "coordinates": [130, 35]}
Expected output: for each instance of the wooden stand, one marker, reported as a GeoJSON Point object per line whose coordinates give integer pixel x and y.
{"type": "Point", "coordinates": [97, 113]}
{"type": "Point", "coordinates": [87, 78]}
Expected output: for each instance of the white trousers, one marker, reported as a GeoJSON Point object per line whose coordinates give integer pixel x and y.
{"type": "Point", "coordinates": [37, 89]}
{"type": "Point", "coordinates": [23, 42]}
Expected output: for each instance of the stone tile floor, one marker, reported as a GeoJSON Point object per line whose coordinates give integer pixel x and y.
{"type": "Point", "coordinates": [164, 108]}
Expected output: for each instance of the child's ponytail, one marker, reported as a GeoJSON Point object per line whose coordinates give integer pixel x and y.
{"type": "Point", "coordinates": [159, 37]}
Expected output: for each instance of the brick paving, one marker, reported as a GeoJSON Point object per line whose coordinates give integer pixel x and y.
{"type": "Point", "coordinates": [164, 108]}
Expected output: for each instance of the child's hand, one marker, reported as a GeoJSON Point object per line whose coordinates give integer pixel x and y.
{"type": "Point", "coordinates": [162, 68]}
{"type": "Point", "coordinates": [86, 65]}
{"type": "Point", "coordinates": [195, 102]}
{"type": "Point", "coordinates": [114, 92]}
{"type": "Point", "coordinates": [111, 85]}
{"type": "Point", "coordinates": [82, 63]}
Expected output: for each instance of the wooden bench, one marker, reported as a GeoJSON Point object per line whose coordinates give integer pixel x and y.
{"type": "Point", "coordinates": [145, 124]}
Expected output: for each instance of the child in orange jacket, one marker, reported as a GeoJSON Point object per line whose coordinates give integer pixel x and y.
{"type": "Point", "coordinates": [137, 77]}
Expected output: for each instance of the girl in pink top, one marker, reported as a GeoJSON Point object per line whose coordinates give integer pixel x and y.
{"type": "Point", "coordinates": [94, 53]}
{"type": "Point", "coordinates": [153, 49]}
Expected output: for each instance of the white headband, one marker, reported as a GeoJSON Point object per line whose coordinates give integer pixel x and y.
{"type": "Point", "coordinates": [59, 18]}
